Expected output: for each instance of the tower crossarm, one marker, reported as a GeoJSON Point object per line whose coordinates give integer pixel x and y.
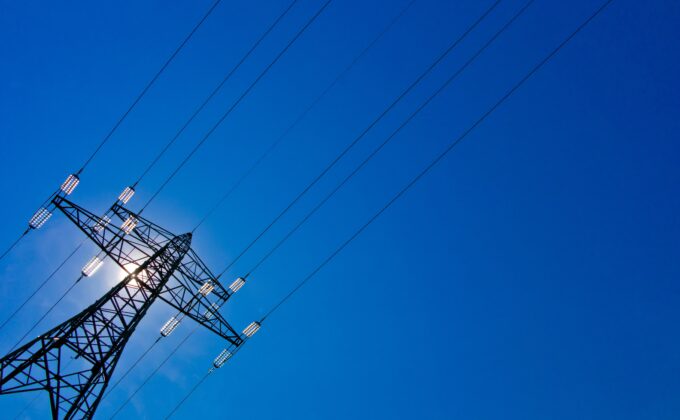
{"type": "Point", "coordinates": [192, 292]}
{"type": "Point", "coordinates": [145, 230]}
{"type": "Point", "coordinates": [127, 251]}
{"type": "Point", "coordinates": [194, 269]}
{"type": "Point", "coordinates": [192, 288]}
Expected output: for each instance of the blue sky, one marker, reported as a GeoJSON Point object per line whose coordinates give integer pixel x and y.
{"type": "Point", "coordinates": [532, 274]}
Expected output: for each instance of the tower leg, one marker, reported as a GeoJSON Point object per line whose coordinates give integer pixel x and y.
{"type": "Point", "coordinates": [74, 361]}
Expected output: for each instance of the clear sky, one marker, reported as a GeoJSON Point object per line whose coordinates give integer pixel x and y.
{"type": "Point", "coordinates": [533, 274]}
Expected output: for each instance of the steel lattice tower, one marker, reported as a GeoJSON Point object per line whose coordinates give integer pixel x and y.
{"type": "Point", "coordinates": [75, 360]}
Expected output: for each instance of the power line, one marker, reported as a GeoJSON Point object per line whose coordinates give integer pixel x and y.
{"type": "Point", "coordinates": [417, 80]}
{"type": "Point", "coordinates": [15, 243]}
{"type": "Point", "coordinates": [169, 144]}
{"type": "Point", "coordinates": [292, 41]}
{"type": "Point", "coordinates": [200, 143]}
{"type": "Point", "coordinates": [26, 407]}
{"type": "Point", "coordinates": [191, 391]}
{"type": "Point", "coordinates": [439, 157]}
{"type": "Point", "coordinates": [407, 187]}
{"type": "Point", "coordinates": [148, 378]}
{"type": "Point", "coordinates": [35, 324]}
{"type": "Point", "coordinates": [120, 120]}
{"type": "Point", "coordinates": [235, 104]}
{"type": "Point", "coordinates": [363, 133]}
{"type": "Point", "coordinates": [128, 370]}
{"type": "Point", "coordinates": [414, 180]}
{"type": "Point", "coordinates": [148, 86]}
{"type": "Point", "coordinates": [262, 157]}
{"type": "Point", "coordinates": [301, 117]}
{"type": "Point", "coordinates": [226, 114]}
{"type": "Point", "coordinates": [215, 91]}
{"type": "Point", "coordinates": [455, 43]}
{"type": "Point", "coordinates": [391, 136]}
{"type": "Point", "coordinates": [41, 285]}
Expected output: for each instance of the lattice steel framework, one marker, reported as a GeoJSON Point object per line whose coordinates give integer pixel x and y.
{"type": "Point", "coordinates": [129, 250]}
{"type": "Point", "coordinates": [74, 361]}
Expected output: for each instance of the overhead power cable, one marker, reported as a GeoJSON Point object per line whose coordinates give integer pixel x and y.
{"type": "Point", "coordinates": [134, 103]}
{"type": "Point", "coordinates": [414, 180]}
{"type": "Point", "coordinates": [215, 91]}
{"type": "Point", "coordinates": [389, 138]}
{"type": "Point", "coordinates": [188, 395]}
{"type": "Point", "coordinates": [148, 86]}
{"type": "Point", "coordinates": [362, 134]}
{"type": "Point", "coordinates": [40, 286]}
{"type": "Point", "coordinates": [439, 58]}
{"type": "Point", "coordinates": [229, 110]}
{"type": "Point", "coordinates": [403, 93]}
{"type": "Point", "coordinates": [235, 104]}
{"type": "Point", "coordinates": [169, 144]}
{"type": "Point", "coordinates": [301, 117]}
{"type": "Point", "coordinates": [439, 157]}
{"type": "Point", "coordinates": [148, 378]}
{"type": "Point", "coordinates": [15, 243]}
{"type": "Point", "coordinates": [128, 370]}
{"type": "Point", "coordinates": [44, 315]}
{"type": "Point", "coordinates": [27, 407]}
{"type": "Point", "coordinates": [262, 157]}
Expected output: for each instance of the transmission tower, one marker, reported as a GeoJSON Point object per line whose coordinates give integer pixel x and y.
{"type": "Point", "coordinates": [75, 360]}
